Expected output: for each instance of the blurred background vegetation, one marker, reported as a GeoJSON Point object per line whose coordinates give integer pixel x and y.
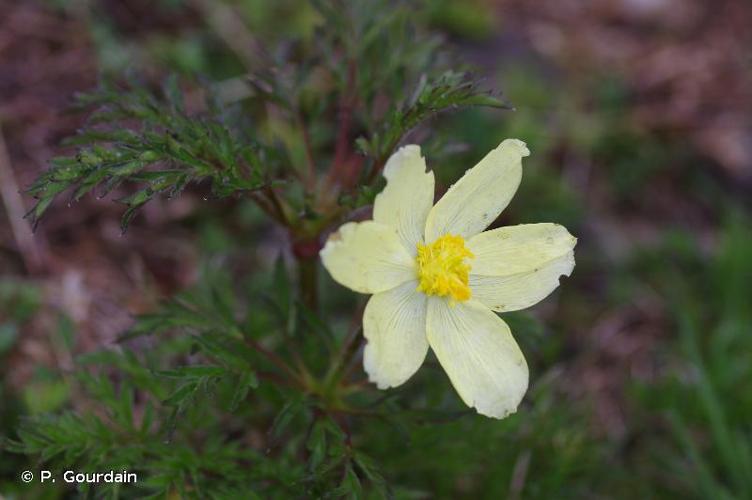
{"type": "Point", "coordinates": [638, 115]}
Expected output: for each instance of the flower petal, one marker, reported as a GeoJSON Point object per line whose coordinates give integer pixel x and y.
{"type": "Point", "coordinates": [408, 196]}
{"type": "Point", "coordinates": [394, 323]}
{"type": "Point", "coordinates": [479, 354]}
{"type": "Point", "coordinates": [474, 202]}
{"type": "Point", "coordinates": [367, 257]}
{"type": "Point", "coordinates": [518, 266]}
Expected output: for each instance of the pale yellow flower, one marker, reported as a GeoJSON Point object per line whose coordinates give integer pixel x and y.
{"type": "Point", "coordinates": [437, 278]}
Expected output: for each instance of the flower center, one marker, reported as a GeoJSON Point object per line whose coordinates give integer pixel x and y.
{"type": "Point", "coordinates": [442, 269]}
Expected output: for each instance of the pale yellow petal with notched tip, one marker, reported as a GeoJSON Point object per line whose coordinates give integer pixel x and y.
{"type": "Point", "coordinates": [474, 202]}
{"type": "Point", "coordinates": [408, 196]}
{"type": "Point", "coordinates": [367, 257]}
{"type": "Point", "coordinates": [394, 323]}
{"type": "Point", "coordinates": [477, 351]}
{"type": "Point", "coordinates": [518, 266]}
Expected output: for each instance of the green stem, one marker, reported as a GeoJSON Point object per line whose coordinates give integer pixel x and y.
{"type": "Point", "coordinates": [276, 205]}
{"type": "Point", "coordinates": [275, 360]}
{"type": "Point", "coordinates": [308, 281]}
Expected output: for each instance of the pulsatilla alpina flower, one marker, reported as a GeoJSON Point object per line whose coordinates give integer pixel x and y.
{"type": "Point", "coordinates": [437, 278]}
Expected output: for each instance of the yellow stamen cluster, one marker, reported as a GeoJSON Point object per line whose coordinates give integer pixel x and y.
{"type": "Point", "coordinates": [442, 269]}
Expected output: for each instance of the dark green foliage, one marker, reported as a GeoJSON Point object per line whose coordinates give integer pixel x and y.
{"type": "Point", "coordinates": [182, 429]}
{"type": "Point", "coordinates": [448, 91]}
{"type": "Point", "coordinates": [150, 140]}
